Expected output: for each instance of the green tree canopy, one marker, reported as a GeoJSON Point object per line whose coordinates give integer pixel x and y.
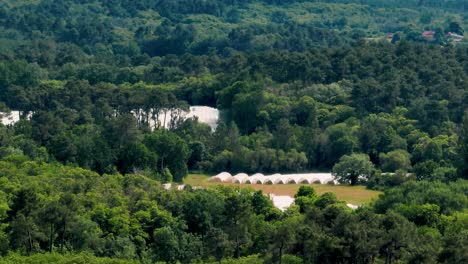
{"type": "Point", "coordinates": [352, 168]}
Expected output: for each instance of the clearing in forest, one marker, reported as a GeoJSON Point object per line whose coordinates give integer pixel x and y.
{"type": "Point", "coordinates": [350, 194]}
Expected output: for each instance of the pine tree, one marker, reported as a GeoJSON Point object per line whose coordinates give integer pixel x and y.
{"type": "Point", "coordinates": [463, 147]}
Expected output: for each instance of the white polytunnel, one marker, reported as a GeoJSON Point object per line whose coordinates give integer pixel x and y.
{"type": "Point", "coordinates": [222, 177]}
{"type": "Point", "coordinates": [255, 179]}
{"type": "Point", "coordinates": [258, 181]}
{"type": "Point", "coordinates": [291, 181]}
{"type": "Point", "coordinates": [303, 181]}
{"type": "Point", "coordinates": [240, 178]}
{"type": "Point", "coordinates": [277, 178]}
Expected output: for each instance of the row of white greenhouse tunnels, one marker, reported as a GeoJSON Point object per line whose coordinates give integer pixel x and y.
{"type": "Point", "coordinates": [258, 178]}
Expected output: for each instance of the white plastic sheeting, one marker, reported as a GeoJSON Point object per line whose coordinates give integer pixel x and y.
{"type": "Point", "coordinates": [204, 114]}
{"type": "Point", "coordinates": [258, 178]}
{"type": "Point", "coordinates": [352, 206]}
{"type": "Point", "coordinates": [281, 202]}
{"type": "Point", "coordinates": [222, 177]}
{"type": "Point", "coordinates": [12, 117]}
{"type": "Point", "coordinates": [239, 178]}
{"type": "Point", "coordinates": [170, 186]}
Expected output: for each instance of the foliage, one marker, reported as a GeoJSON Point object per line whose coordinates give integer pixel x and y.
{"type": "Point", "coordinates": [62, 259]}
{"type": "Point", "coordinates": [352, 167]}
{"type": "Point", "coordinates": [301, 85]}
{"type": "Point", "coordinates": [57, 213]}
{"type": "Point", "coordinates": [395, 160]}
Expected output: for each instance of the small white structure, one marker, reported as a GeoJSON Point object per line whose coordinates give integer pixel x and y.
{"type": "Point", "coordinates": [170, 186]}
{"type": "Point", "coordinates": [281, 202]}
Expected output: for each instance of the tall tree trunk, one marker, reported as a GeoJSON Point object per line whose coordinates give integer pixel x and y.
{"type": "Point", "coordinates": [30, 243]}
{"type": "Point", "coordinates": [162, 166]}
{"type": "Point", "coordinates": [62, 242]}
{"type": "Point", "coordinates": [353, 180]}
{"type": "Point", "coordinates": [388, 258]}
{"type": "Point", "coordinates": [51, 237]}
{"type": "Point", "coordinates": [237, 247]}
{"type": "Point", "coordinates": [281, 252]}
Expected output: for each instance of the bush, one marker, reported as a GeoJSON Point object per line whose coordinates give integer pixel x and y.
{"type": "Point", "coordinates": [253, 259]}
{"type": "Point", "coordinates": [388, 180]}
{"type": "Point", "coordinates": [82, 258]}
{"type": "Point", "coordinates": [290, 259]}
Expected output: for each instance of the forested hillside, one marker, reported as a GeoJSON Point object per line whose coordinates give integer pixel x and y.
{"type": "Point", "coordinates": [52, 208]}
{"type": "Point", "coordinates": [360, 88]}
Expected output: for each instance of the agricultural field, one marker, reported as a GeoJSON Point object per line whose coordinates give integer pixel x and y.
{"type": "Point", "coordinates": [356, 195]}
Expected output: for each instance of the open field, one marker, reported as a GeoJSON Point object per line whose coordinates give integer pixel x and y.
{"type": "Point", "coordinates": [351, 194]}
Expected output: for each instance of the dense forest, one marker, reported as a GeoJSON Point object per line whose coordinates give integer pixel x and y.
{"type": "Point", "coordinates": [302, 86]}
{"type": "Point", "coordinates": [56, 208]}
